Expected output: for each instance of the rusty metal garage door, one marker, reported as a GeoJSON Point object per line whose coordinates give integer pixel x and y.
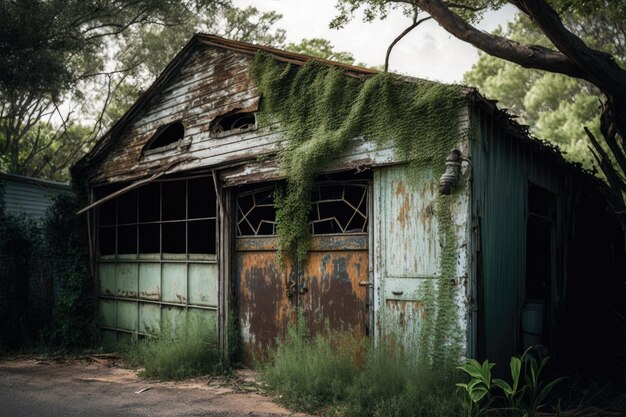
{"type": "Point", "coordinates": [330, 290]}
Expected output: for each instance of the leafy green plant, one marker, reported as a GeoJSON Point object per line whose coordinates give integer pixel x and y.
{"type": "Point", "coordinates": [478, 390]}
{"type": "Point", "coordinates": [511, 391]}
{"type": "Point", "coordinates": [536, 390]}
{"type": "Point", "coordinates": [524, 396]}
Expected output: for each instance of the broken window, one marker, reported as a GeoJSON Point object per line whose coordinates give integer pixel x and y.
{"type": "Point", "coordinates": [256, 214]}
{"type": "Point", "coordinates": [339, 209]}
{"type": "Point", "coordinates": [232, 123]}
{"type": "Point", "coordinates": [164, 217]}
{"type": "Point", "coordinates": [166, 135]}
{"type": "Point", "coordinates": [336, 209]}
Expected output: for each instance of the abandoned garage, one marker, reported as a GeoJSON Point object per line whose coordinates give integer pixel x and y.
{"type": "Point", "coordinates": [182, 220]}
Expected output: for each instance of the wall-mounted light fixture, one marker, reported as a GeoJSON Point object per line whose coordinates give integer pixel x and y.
{"type": "Point", "coordinates": [450, 178]}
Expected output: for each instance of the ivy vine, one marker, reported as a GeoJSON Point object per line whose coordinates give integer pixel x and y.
{"type": "Point", "coordinates": [322, 111]}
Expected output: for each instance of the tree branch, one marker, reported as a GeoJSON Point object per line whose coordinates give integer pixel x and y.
{"type": "Point", "coordinates": [599, 67]}
{"type": "Point", "coordinates": [415, 24]}
{"type": "Point", "coordinates": [529, 56]}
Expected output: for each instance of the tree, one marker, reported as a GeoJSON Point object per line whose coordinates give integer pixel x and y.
{"type": "Point", "coordinates": [567, 54]}
{"type": "Point", "coordinates": [321, 48]}
{"type": "Point", "coordinates": [553, 105]}
{"type": "Point", "coordinates": [50, 50]}
{"type": "Point", "coordinates": [70, 68]}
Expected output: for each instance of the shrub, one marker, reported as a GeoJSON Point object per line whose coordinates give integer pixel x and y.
{"type": "Point", "coordinates": [179, 350]}
{"type": "Point", "coordinates": [337, 374]}
{"type": "Point", "coordinates": [394, 383]}
{"type": "Point", "coordinates": [310, 373]}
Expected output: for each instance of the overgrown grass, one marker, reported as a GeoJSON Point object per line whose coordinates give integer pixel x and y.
{"type": "Point", "coordinates": [310, 373]}
{"type": "Point", "coordinates": [342, 377]}
{"type": "Point", "coordinates": [181, 350]}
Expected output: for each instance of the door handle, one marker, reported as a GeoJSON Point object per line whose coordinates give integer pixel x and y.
{"type": "Point", "coordinates": [366, 284]}
{"type": "Point", "coordinates": [397, 292]}
{"type": "Point", "coordinates": [291, 288]}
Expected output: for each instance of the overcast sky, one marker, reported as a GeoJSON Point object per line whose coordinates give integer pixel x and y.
{"type": "Point", "coordinates": [427, 52]}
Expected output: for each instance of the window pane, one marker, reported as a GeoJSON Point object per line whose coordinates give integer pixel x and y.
{"type": "Point", "coordinates": [173, 237]}
{"type": "Point", "coordinates": [201, 198]}
{"type": "Point", "coordinates": [149, 202]}
{"type": "Point", "coordinates": [127, 239]}
{"type": "Point", "coordinates": [149, 238]}
{"type": "Point", "coordinates": [174, 200]}
{"type": "Point", "coordinates": [127, 207]}
{"type": "Point", "coordinates": [202, 236]}
{"type": "Point", "coordinates": [106, 240]}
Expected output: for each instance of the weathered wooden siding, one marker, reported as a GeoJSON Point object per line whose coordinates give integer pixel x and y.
{"type": "Point", "coordinates": [212, 82]}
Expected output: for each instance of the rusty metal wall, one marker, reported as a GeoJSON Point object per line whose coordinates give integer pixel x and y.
{"type": "Point", "coordinates": [329, 291]}
{"type": "Point", "coordinates": [407, 253]}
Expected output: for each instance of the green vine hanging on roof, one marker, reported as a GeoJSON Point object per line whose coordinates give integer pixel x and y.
{"type": "Point", "coordinates": [321, 110]}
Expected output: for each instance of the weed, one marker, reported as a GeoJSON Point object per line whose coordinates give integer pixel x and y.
{"type": "Point", "coordinates": [339, 375]}
{"type": "Point", "coordinates": [395, 383]}
{"type": "Point", "coordinates": [310, 373]}
{"type": "Point", "coordinates": [179, 350]}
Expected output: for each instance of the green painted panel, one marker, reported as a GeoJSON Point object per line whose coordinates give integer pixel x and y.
{"type": "Point", "coordinates": [126, 338]}
{"type": "Point", "coordinates": [108, 339]}
{"type": "Point", "coordinates": [407, 256]}
{"type": "Point", "coordinates": [410, 242]}
{"type": "Point", "coordinates": [208, 318]}
{"type": "Point", "coordinates": [203, 284]}
{"type": "Point", "coordinates": [149, 318]}
{"type": "Point", "coordinates": [503, 166]}
{"type": "Point", "coordinates": [106, 313]}
{"type": "Point", "coordinates": [126, 280]}
{"type": "Point", "coordinates": [150, 281]}
{"type": "Point", "coordinates": [171, 317]}
{"type": "Point", "coordinates": [106, 278]}
{"type": "Point", "coordinates": [174, 283]}
{"type": "Point", "coordinates": [126, 315]}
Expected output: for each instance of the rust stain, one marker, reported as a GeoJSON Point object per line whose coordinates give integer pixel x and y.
{"type": "Point", "coordinates": [400, 188]}
{"type": "Point", "coordinates": [403, 214]}
{"type": "Point", "coordinates": [327, 291]}
{"type": "Point", "coordinates": [126, 293]}
{"type": "Point", "coordinates": [154, 296]}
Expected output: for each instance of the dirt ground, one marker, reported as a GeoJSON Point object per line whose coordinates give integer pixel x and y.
{"type": "Point", "coordinates": [96, 387]}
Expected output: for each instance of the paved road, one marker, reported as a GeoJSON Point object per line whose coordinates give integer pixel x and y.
{"type": "Point", "coordinates": [47, 389]}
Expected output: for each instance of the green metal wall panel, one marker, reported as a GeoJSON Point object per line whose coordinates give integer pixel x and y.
{"type": "Point", "coordinates": [106, 278]}
{"type": "Point", "coordinates": [150, 281]}
{"type": "Point", "coordinates": [126, 315]}
{"type": "Point", "coordinates": [502, 168]}
{"type": "Point", "coordinates": [174, 281]}
{"type": "Point", "coordinates": [137, 296]}
{"type": "Point", "coordinates": [149, 318]}
{"type": "Point", "coordinates": [202, 284]}
{"type": "Point", "coordinates": [126, 280]}
{"type": "Point", "coordinates": [107, 313]}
